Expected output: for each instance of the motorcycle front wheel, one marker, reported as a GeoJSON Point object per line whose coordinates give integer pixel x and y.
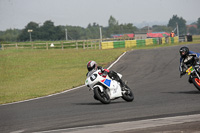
{"type": "Point", "coordinates": [128, 95]}
{"type": "Point", "coordinates": [196, 83]}
{"type": "Point", "coordinates": [103, 97]}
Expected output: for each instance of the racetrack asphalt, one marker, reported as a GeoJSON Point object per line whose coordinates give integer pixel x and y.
{"type": "Point", "coordinates": [152, 74]}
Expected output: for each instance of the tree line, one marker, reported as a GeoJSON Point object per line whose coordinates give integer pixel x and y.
{"type": "Point", "coordinates": [48, 31]}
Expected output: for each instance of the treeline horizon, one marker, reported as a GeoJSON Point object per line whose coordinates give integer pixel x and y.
{"type": "Point", "coordinates": [49, 32]}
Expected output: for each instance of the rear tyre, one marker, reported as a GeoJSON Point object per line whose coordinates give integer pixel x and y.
{"type": "Point", "coordinates": [196, 83]}
{"type": "Point", "coordinates": [103, 97]}
{"type": "Point", "coordinates": [128, 95]}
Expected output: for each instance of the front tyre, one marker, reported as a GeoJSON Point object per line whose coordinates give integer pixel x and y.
{"type": "Point", "coordinates": [103, 97]}
{"type": "Point", "coordinates": [196, 83]}
{"type": "Point", "coordinates": [128, 95]}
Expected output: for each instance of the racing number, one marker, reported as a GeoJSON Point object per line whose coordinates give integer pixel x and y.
{"type": "Point", "coordinates": [93, 77]}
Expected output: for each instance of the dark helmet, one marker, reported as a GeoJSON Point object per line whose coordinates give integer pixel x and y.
{"type": "Point", "coordinates": [184, 51]}
{"type": "Point", "coordinates": [91, 65]}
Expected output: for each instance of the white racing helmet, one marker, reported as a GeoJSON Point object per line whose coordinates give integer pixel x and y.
{"type": "Point", "coordinates": [91, 65]}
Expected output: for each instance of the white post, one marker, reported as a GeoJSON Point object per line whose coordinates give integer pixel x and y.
{"type": "Point", "coordinates": [30, 37]}
{"type": "Point", "coordinates": [100, 37]}
{"type": "Point", "coordinates": [100, 34]}
{"type": "Point", "coordinates": [30, 30]}
{"type": "Point", "coordinates": [177, 30]}
{"type": "Point", "coordinates": [66, 34]}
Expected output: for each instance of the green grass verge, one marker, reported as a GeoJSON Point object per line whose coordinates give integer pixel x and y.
{"type": "Point", "coordinates": [26, 73]}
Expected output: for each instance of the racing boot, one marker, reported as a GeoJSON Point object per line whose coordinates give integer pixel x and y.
{"type": "Point", "coordinates": [190, 80]}
{"type": "Point", "coordinates": [122, 84]}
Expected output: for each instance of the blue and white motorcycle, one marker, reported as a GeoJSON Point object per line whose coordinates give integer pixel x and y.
{"type": "Point", "coordinates": [105, 89]}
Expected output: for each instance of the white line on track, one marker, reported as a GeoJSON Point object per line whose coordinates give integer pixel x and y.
{"type": "Point", "coordinates": [132, 125]}
{"type": "Point", "coordinates": [63, 91]}
{"type": "Point", "coordinates": [117, 60]}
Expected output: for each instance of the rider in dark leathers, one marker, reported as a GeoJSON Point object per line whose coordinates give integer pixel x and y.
{"type": "Point", "coordinates": [188, 58]}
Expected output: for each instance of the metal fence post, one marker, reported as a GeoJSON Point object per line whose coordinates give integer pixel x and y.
{"type": "Point", "coordinates": [2, 46]}
{"type": "Point", "coordinates": [76, 45]}
{"type": "Point", "coordinates": [84, 44]}
{"type": "Point", "coordinates": [62, 45]}
{"type": "Point", "coordinates": [16, 46]}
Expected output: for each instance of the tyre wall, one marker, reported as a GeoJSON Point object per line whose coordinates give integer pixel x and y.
{"type": "Point", "coordinates": [138, 43]}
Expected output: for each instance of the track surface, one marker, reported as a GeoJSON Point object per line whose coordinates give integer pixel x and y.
{"type": "Point", "coordinates": [153, 76]}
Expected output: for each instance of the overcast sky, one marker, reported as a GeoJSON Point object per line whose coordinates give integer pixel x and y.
{"type": "Point", "coordinates": [18, 13]}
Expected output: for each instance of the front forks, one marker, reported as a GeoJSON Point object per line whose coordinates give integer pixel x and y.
{"type": "Point", "coordinates": [197, 74]}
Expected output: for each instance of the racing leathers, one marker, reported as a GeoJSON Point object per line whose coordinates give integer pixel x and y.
{"type": "Point", "coordinates": [112, 74]}
{"type": "Point", "coordinates": [185, 62]}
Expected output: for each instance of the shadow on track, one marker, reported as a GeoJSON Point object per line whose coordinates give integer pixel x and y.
{"type": "Point", "coordinates": [98, 103]}
{"type": "Point", "coordinates": [184, 92]}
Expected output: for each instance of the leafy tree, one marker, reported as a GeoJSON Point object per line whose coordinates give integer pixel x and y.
{"type": "Point", "coordinates": [75, 32]}
{"type": "Point", "coordinates": [46, 32]}
{"type": "Point", "coordinates": [25, 36]}
{"type": "Point", "coordinates": [112, 22]}
{"type": "Point", "coordinates": [60, 33]}
{"type": "Point", "coordinates": [92, 31]}
{"type": "Point", "coordinates": [198, 23]}
{"type": "Point", "coordinates": [161, 28]}
{"type": "Point", "coordinates": [193, 30]}
{"type": "Point", "coordinates": [9, 35]}
{"type": "Point", "coordinates": [127, 28]}
{"type": "Point", "coordinates": [181, 23]}
{"type": "Point", "coordinates": [115, 28]}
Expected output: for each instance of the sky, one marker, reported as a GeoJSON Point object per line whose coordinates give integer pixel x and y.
{"type": "Point", "coordinates": [18, 13]}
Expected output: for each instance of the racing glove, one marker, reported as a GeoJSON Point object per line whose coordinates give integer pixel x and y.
{"type": "Point", "coordinates": [104, 73]}
{"type": "Point", "coordinates": [182, 73]}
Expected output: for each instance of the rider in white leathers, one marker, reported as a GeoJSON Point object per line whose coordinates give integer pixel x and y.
{"type": "Point", "coordinates": [92, 65]}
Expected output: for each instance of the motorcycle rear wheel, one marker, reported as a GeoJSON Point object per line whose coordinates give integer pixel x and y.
{"type": "Point", "coordinates": [103, 97]}
{"type": "Point", "coordinates": [196, 83]}
{"type": "Point", "coordinates": [128, 95]}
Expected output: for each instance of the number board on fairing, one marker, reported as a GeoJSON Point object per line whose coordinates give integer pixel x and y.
{"type": "Point", "coordinates": [93, 77]}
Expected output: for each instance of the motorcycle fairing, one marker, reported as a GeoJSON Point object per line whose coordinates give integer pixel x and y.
{"type": "Point", "coordinates": [115, 90]}
{"type": "Point", "coordinates": [190, 70]}
{"type": "Point", "coordinates": [106, 82]}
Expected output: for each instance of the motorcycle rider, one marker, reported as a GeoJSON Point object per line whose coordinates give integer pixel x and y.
{"type": "Point", "coordinates": [92, 66]}
{"type": "Point", "coordinates": [187, 59]}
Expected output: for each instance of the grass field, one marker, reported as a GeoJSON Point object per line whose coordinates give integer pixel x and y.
{"type": "Point", "coordinates": [31, 73]}
{"type": "Point", "coordinates": [26, 74]}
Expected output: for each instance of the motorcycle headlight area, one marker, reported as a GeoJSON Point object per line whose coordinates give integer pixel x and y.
{"type": "Point", "coordinates": [93, 77]}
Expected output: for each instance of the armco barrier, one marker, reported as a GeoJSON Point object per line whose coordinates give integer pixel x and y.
{"type": "Point", "coordinates": [149, 41]}
{"type": "Point", "coordinates": [176, 39]}
{"type": "Point", "coordinates": [119, 44]}
{"type": "Point", "coordinates": [172, 40]}
{"type": "Point", "coordinates": [155, 41]}
{"type": "Point", "coordinates": [130, 43]}
{"type": "Point", "coordinates": [107, 45]}
{"type": "Point", "coordinates": [138, 43]}
{"type": "Point", "coordinates": [163, 40]}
